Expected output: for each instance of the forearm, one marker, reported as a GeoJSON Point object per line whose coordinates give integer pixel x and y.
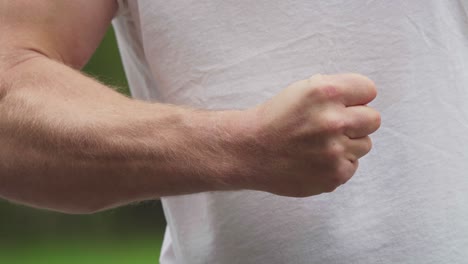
{"type": "Point", "coordinates": [71, 144]}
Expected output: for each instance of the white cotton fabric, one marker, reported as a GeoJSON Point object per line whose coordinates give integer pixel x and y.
{"type": "Point", "coordinates": [408, 202]}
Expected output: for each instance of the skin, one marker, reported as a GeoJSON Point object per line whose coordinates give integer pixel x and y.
{"type": "Point", "coordinates": [71, 144]}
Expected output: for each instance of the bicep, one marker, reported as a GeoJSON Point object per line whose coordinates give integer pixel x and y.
{"type": "Point", "coordinates": [68, 31]}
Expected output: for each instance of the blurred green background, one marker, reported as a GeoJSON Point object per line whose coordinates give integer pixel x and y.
{"type": "Point", "coordinates": [131, 234]}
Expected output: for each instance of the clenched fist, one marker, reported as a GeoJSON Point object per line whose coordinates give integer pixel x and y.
{"type": "Point", "coordinates": [308, 138]}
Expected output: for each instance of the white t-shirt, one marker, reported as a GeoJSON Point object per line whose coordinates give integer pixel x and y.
{"type": "Point", "coordinates": [408, 202]}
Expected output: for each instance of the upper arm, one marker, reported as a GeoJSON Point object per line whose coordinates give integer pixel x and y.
{"type": "Point", "coordinates": [67, 30]}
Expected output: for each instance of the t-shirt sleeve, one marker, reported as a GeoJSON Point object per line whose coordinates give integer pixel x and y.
{"type": "Point", "coordinates": [122, 8]}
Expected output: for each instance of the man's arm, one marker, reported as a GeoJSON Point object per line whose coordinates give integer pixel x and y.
{"type": "Point", "coordinates": [71, 144]}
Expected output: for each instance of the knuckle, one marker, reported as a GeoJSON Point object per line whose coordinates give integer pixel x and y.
{"type": "Point", "coordinates": [327, 91]}
{"type": "Point", "coordinates": [342, 174]}
{"type": "Point", "coordinates": [339, 176]}
{"type": "Point", "coordinates": [333, 152]}
{"type": "Point", "coordinates": [322, 87]}
{"type": "Point", "coordinates": [332, 123]}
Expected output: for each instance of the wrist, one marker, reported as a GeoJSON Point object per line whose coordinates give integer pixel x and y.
{"type": "Point", "coordinates": [236, 134]}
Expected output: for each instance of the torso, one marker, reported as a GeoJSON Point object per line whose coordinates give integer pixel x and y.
{"type": "Point", "coordinates": [408, 203]}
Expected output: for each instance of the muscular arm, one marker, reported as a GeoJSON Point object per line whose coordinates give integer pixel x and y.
{"type": "Point", "coordinates": [71, 144]}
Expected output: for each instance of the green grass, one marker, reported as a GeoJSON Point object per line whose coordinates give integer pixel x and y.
{"type": "Point", "coordinates": [105, 64]}
{"type": "Point", "coordinates": [84, 251]}
{"type": "Point", "coordinates": [132, 234]}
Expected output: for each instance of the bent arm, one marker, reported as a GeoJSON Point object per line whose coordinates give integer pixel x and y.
{"type": "Point", "coordinates": [71, 144]}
